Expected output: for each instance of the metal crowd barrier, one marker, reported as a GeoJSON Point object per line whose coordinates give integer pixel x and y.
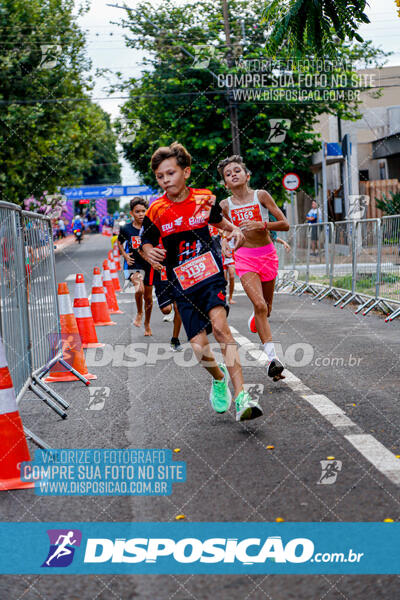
{"type": "Point", "coordinates": [301, 251]}
{"type": "Point", "coordinates": [349, 261]}
{"type": "Point", "coordinates": [312, 244]}
{"type": "Point", "coordinates": [389, 283]}
{"type": "Point", "coordinates": [13, 298]}
{"type": "Point", "coordinates": [43, 312]}
{"type": "Point", "coordinates": [29, 313]}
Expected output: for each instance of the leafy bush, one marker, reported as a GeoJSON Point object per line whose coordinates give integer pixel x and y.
{"type": "Point", "coordinates": [390, 206]}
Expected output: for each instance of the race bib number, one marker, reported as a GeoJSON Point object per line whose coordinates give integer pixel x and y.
{"type": "Point", "coordinates": [135, 242]}
{"type": "Point", "coordinates": [247, 213]}
{"type": "Point", "coordinates": [195, 270]}
{"type": "Point", "coordinates": [163, 274]}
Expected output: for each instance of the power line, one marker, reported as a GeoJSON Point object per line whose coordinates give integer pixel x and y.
{"type": "Point", "coordinates": [173, 94]}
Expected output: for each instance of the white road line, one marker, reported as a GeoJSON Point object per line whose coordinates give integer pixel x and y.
{"type": "Point", "coordinates": [70, 277]}
{"type": "Point", "coordinates": [377, 454]}
{"type": "Point", "coordinates": [372, 450]}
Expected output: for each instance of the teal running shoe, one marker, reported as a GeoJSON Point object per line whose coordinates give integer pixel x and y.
{"type": "Point", "coordinates": [220, 395]}
{"type": "Point", "coordinates": [246, 408]}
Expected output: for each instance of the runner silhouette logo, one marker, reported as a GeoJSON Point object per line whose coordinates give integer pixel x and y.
{"type": "Point", "coordinates": [330, 471]}
{"type": "Point", "coordinates": [62, 547]}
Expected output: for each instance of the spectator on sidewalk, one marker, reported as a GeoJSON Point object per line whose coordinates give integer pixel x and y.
{"type": "Point", "coordinates": [314, 217]}
{"type": "Point", "coordinates": [61, 228]}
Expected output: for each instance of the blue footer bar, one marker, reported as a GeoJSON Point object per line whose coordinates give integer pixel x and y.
{"type": "Point", "coordinates": [208, 548]}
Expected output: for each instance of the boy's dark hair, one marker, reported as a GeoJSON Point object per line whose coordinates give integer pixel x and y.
{"type": "Point", "coordinates": [235, 158]}
{"type": "Point", "coordinates": [137, 200]}
{"type": "Point", "coordinates": [176, 151]}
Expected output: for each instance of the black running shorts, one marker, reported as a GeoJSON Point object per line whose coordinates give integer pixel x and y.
{"type": "Point", "coordinates": [194, 308]}
{"type": "Point", "coordinates": [163, 291]}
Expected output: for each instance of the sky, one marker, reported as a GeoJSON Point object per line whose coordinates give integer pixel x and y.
{"type": "Point", "coordinates": [106, 47]}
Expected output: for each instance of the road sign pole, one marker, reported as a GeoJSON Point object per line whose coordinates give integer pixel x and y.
{"type": "Point", "coordinates": [292, 208]}
{"type": "Point", "coordinates": [291, 181]}
{"type": "Point", "coordinates": [325, 205]}
{"type": "Point", "coordinates": [324, 185]}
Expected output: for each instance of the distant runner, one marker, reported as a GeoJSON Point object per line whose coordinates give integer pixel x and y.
{"type": "Point", "coordinates": [166, 304]}
{"type": "Point", "coordinates": [136, 269]}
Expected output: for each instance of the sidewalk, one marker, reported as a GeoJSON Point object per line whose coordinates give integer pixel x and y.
{"type": "Point", "coordinates": [63, 243]}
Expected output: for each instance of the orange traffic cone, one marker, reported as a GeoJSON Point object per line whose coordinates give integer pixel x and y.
{"type": "Point", "coordinates": [110, 291]}
{"type": "Point", "coordinates": [100, 313]}
{"type": "Point", "coordinates": [72, 345]}
{"type": "Point", "coordinates": [83, 316]}
{"type": "Point", "coordinates": [113, 271]}
{"type": "Point", "coordinates": [116, 255]}
{"type": "Point", "coordinates": [13, 446]}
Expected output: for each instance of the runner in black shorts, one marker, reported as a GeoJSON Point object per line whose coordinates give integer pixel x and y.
{"type": "Point", "coordinates": [194, 269]}
{"type": "Point", "coordinates": [136, 269]}
{"type": "Point", "coordinates": [165, 299]}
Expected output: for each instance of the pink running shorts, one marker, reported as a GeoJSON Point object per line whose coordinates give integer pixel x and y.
{"type": "Point", "coordinates": [262, 260]}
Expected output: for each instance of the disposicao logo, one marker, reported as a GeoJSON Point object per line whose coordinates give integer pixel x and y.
{"type": "Point", "coordinates": [190, 550]}
{"type": "Point", "coordinates": [62, 547]}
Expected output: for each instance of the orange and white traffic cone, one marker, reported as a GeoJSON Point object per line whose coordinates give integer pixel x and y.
{"type": "Point", "coordinates": [72, 345]}
{"type": "Point", "coordinates": [100, 313]}
{"type": "Point", "coordinates": [83, 315]}
{"type": "Point", "coordinates": [116, 255]}
{"type": "Point", "coordinates": [13, 446]}
{"type": "Point", "coordinates": [113, 271]}
{"type": "Point", "coordinates": [110, 291]}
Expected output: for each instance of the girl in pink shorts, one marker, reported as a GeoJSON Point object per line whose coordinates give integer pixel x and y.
{"type": "Point", "coordinates": [256, 261]}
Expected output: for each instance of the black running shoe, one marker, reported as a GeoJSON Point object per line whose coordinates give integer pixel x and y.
{"type": "Point", "coordinates": [175, 345]}
{"type": "Point", "coordinates": [275, 369]}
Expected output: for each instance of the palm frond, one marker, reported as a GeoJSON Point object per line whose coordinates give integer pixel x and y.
{"type": "Point", "coordinates": [311, 21]}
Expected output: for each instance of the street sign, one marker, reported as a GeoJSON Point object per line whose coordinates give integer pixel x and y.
{"type": "Point", "coordinates": [106, 191]}
{"type": "Point", "coordinates": [291, 182]}
{"type": "Point", "coordinates": [334, 150]}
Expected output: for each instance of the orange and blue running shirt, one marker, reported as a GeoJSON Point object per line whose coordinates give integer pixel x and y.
{"type": "Point", "coordinates": [184, 232]}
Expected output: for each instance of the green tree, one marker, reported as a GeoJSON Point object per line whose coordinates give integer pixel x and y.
{"type": "Point", "coordinates": [310, 24]}
{"type": "Point", "coordinates": [177, 98]}
{"type": "Point", "coordinates": [105, 167]}
{"type": "Point", "coordinates": [49, 126]}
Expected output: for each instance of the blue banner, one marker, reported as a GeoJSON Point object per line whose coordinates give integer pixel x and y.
{"type": "Point", "coordinates": [208, 548]}
{"type": "Point", "coordinates": [106, 191]}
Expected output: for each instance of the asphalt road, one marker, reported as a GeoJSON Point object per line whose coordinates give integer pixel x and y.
{"type": "Point", "coordinates": [341, 399]}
